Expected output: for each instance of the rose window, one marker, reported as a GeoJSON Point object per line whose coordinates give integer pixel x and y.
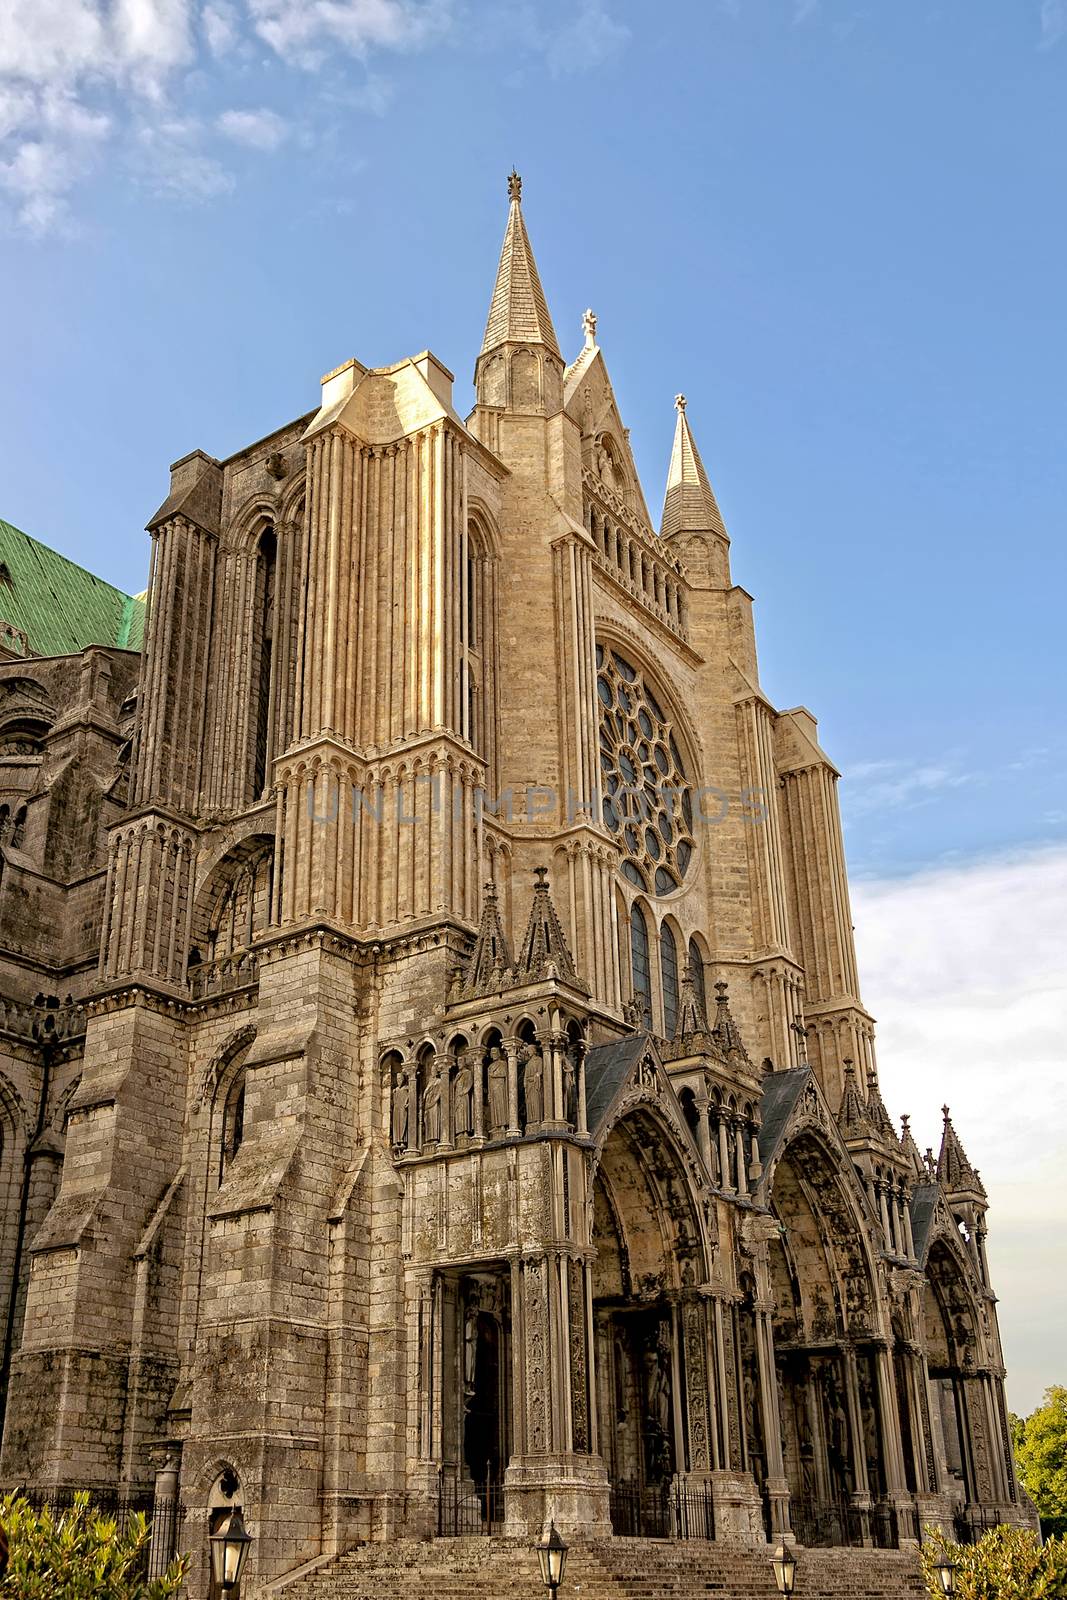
{"type": "Point", "coordinates": [646, 798]}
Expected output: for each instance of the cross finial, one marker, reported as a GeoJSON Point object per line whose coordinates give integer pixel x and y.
{"type": "Point", "coordinates": [514, 185]}
{"type": "Point", "coordinates": [679, 402]}
{"type": "Point", "coordinates": [944, 1112]}
{"type": "Point", "coordinates": [589, 327]}
{"type": "Point", "coordinates": [721, 989]}
{"type": "Point", "coordinates": [540, 877]}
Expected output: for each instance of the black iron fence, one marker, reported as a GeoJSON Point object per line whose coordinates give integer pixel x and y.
{"type": "Point", "coordinates": [465, 1508]}
{"type": "Point", "coordinates": [164, 1518]}
{"type": "Point", "coordinates": [666, 1511]}
{"type": "Point", "coordinates": [971, 1522]}
{"type": "Point", "coordinates": [839, 1522]}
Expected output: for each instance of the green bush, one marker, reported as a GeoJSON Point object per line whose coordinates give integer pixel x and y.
{"type": "Point", "coordinates": [1040, 1442]}
{"type": "Point", "coordinates": [79, 1554]}
{"type": "Point", "coordinates": [1005, 1564]}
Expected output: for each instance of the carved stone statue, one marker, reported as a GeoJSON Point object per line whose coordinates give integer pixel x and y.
{"type": "Point", "coordinates": [463, 1097]}
{"type": "Point", "coordinates": [431, 1109]}
{"type": "Point", "coordinates": [533, 1083]}
{"type": "Point", "coordinates": [400, 1110]}
{"type": "Point", "coordinates": [498, 1090]}
{"type": "Point", "coordinates": [570, 1099]}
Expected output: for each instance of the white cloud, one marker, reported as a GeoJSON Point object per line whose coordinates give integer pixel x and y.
{"type": "Point", "coordinates": [1053, 22]}
{"type": "Point", "coordinates": [170, 161]}
{"type": "Point", "coordinates": [966, 969]}
{"type": "Point", "coordinates": [221, 28]}
{"type": "Point", "coordinates": [257, 130]}
{"type": "Point", "coordinates": [590, 38]}
{"type": "Point", "coordinates": [893, 784]}
{"type": "Point", "coordinates": [302, 31]}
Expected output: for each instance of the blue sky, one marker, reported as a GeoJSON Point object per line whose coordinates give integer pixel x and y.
{"type": "Point", "coordinates": [837, 225]}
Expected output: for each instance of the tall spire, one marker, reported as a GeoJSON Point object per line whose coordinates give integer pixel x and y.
{"type": "Point", "coordinates": [518, 311]}
{"type": "Point", "coordinates": [953, 1165]}
{"type": "Point", "coordinates": [689, 506]}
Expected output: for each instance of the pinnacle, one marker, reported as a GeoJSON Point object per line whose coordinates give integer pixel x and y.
{"type": "Point", "coordinates": [953, 1164]}
{"type": "Point", "coordinates": [518, 311]}
{"type": "Point", "coordinates": [689, 505]}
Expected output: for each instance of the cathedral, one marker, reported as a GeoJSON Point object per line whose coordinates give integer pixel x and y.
{"type": "Point", "coordinates": [435, 1094]}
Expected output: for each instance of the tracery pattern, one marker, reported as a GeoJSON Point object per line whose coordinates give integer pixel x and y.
{"type": "Point", "coordinates": [646, 798]}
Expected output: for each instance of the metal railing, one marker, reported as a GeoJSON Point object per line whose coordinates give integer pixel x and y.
{"type": "Point", "coordinates": [465, 1508]}
{"type": "Point", "coordinates": [164, 1518]}
{"type": "Point", "coordinates": [665, 1511]}
{"type": "Point", "coordinates": [840, 1522]}
{"type": "Point", "coordinates": [971, 1522]}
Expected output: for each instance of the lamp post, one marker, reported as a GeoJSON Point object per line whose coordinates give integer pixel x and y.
{"type": "Point", "coordinates": [229, 1549]}
{"type": "Point", "coordinates": [784, 1563]}
{"type": "Point", "coordinates": [946, 1572]}
{"type": "Point", "coordinates": [552, 1554]}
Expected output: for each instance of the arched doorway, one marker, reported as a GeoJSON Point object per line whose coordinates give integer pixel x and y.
{"type": "Point", "coordinates": [950, 1335]}
{"type": "Point", "coordinates": [650, 1322]}
{"type": "Point", "coordinates": [832, 1394]}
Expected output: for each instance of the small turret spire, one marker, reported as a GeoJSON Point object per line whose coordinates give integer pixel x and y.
{"type": "Point", "coordinates": [518, 311]}
{"type": "Point", "coordinates": [953, 1164]}
{"type": "Point", "coordinates": [689, 505]}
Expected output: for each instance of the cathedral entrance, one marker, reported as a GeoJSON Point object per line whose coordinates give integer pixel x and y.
{"type": "Point", "coordinates": [834, 1430]}
{"type": "Point", "coordinates": [649, 1256]}
{"type": "Point", "coordinates": [474, 1398]}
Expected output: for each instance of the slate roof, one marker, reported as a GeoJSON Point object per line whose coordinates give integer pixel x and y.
{"type": "Point", "coordinates": [923, 1201]}
{"type": "Point", "coordinates": [59, 606]}
{"type": "Point", "coordinates": [781, 1091]}
{"type": "Point", "coordinates": [606, 1069]}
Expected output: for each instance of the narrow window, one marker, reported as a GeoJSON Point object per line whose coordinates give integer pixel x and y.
{"type": "Point", "coordinates": [668, 967]}
{"type": "Point", "coordinates": [233, 1123]}
{"type": "Point", "coordinates": [696, 969]}
{"type": "Point", "coordinates": [266, 562]}
{"type": "Point", "coordinates": [639, 964]}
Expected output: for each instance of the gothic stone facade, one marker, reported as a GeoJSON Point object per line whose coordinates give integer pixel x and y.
{"type": "Point", "coordinates": [460, 1091]}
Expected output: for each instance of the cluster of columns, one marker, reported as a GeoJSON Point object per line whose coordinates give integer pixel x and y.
{"type": "Point", "coordinates": [891, 1197]}
{"type": "Point", "coordinates": [446, 1096]}
{"type": "Point", "coordinates": [640, 571]}
{"type": "Point", "coordinates": [729, 1144]}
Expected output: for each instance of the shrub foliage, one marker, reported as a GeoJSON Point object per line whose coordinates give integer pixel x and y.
{"type": "Point", "coordinates": [79, 1554]}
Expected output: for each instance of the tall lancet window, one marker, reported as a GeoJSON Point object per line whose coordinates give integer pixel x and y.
{"type": "Point", "coordinates": [473, 718]}
{"type": "Point", "coordinates": [696, 970]}
{"type": "Point", "coordinates": [266, 565]}
{"type": "Point", "coordinates": [668, 970]}
{"type": "Point", "coordinates": [639, 965]}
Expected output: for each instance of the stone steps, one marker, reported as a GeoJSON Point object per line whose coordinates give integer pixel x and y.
{"type": "Point", "coordinates": [617, 1569]}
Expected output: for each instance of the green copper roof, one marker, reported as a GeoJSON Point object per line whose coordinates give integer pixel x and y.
{"type": "Point", "coordinates": [59, 606]}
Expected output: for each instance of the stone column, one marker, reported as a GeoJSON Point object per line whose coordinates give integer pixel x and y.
{"type": "Point", "coordinates": [703, 1131]}
{"type": "Point", "coordinates": [477, 1066]}
{"type": "Point", "coordinates": [892, 1449]}
{"type": "Point", "coordinates": [777, 1483]}
{"type": "Point", "coordinates": [443, 1065]}
{"type": "Point", "coordinates": [724, 1155]}
{"type": "Point", "coordinates": [739, 1147]}
{"type": "Point", "coordinates": [861, 1489]}
{"type": "Point", "coordinates": [511, 1050]}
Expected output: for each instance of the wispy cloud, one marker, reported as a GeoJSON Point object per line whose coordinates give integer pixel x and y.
{"type": "Point", "coordinates": [81, 79]}
{"type": "Point", "coordinates": [966, 970]}
{"type": "Point", "coordinates": [1053, 22]}
{"type": "Point", "coordinates": [898, 784]}
{"type": "Point", "coordinates": [257, 130]}
{"type": "Point", "coordinates": [587, 40]}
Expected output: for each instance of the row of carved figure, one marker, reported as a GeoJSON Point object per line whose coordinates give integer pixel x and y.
{"type": "Point", "coordinates": [501, 1091]}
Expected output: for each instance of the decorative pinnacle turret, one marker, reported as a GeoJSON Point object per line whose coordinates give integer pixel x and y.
{"type": "Point", "coordinates": [514, 186]}
{"type": "Point", "coordinates": [689, 505]}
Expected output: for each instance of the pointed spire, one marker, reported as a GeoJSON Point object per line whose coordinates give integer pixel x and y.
{"type": "Point", "coordinates": [689, 506]}
{"type": "Point", "coordinates": [726, 1033]}
{"type": "Point", "coordinates": [518, 311]}
{"type": "Point", "coordinates": [490, 961]}
{"type": "Point", "coordinates": [876, 1111]}
{"type": "Point", "coordinates": [953, 1166]}
{"type": "Point", "coordinates": [910, 1150]}
{"type": "Point", "coordinates": [544, 943]}
{"type": "Point", "coordinates": [691, 1018]}
{"type": "Point", "coordinates": [852, 1116]}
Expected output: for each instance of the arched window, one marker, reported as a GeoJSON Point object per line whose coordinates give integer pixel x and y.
{"type": "Point", "coordinates": [668, 970]}
{"type": "Point", "coordinates": [266, 563]}
{"type": "Point", "coordinates": [471, 711]}
{"type": "Point", "coordinates": [233, 1122]}
{"type": "Point", "coordinates": [639, 964]}
{"type": "Point", "coordinates": [696, 970]}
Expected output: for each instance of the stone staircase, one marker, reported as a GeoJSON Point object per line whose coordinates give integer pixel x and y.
{"type": "Point", "coordinates": [615, 1569]}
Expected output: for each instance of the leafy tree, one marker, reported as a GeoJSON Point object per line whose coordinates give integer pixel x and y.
{"type": "Point", "coordinates": [1005, 1564]}
{"type": "Point", "coordinates": [1040, 1442]}
{"type": "Point", "coordinates": [80, 1554]}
